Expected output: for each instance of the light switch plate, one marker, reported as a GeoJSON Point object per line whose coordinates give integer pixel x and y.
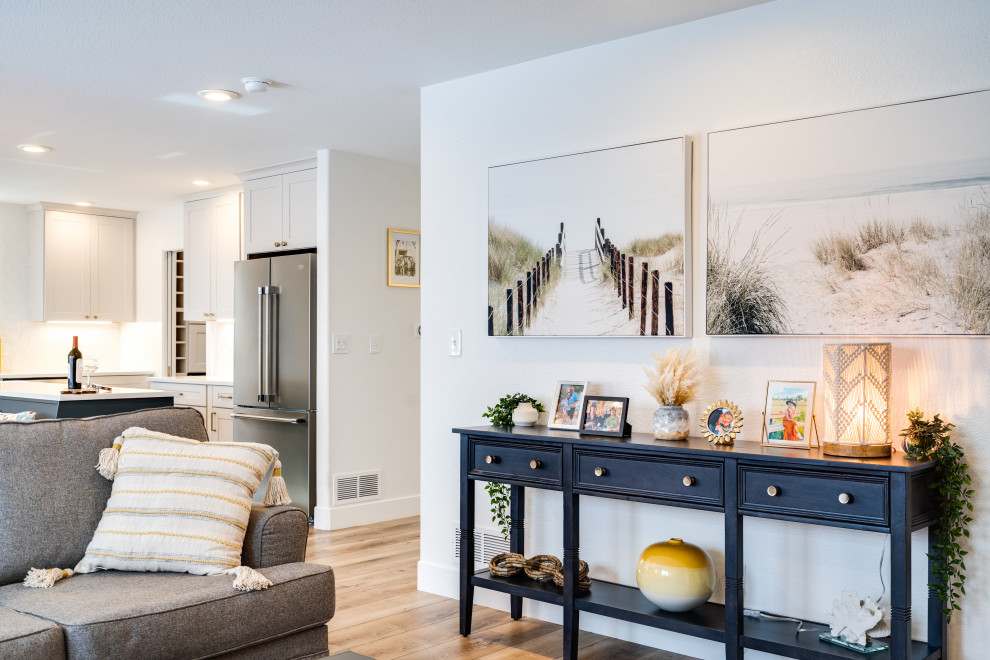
{"type": "Point", "coordinates": [340, 343]}
{"type": "Point", "coordinates": [455, 343]}
{"type": "Point", "coordinates": [374, 343]}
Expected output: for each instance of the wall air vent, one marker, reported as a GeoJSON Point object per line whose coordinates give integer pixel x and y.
{"type": "Point", "coordinates": [487, 543]}
{"type": "Point", "coordinates": [356, 487]}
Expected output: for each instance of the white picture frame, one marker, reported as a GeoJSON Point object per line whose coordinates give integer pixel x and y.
{"type": "Point", "coordinates": [566, 415]}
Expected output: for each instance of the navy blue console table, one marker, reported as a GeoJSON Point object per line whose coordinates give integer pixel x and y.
{"type": "Point", "coordinates": [888, 495]}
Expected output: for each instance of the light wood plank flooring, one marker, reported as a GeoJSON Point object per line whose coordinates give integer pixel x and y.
{"type": "Point", "coordinates": [380, 613]}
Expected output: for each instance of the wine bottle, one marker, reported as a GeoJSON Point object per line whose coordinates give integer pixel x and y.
{"type": "Point", "coordinates": [75, 357]}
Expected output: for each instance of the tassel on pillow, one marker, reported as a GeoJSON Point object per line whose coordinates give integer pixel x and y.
{"type": "Point", "coordinates": [276, 494]}
{"type": "Point", "coordinates": [43, 578]}
{"type": "Point", "coordinates": [109, 457]}
{"type": "Point", "coordinates": [248, 579]}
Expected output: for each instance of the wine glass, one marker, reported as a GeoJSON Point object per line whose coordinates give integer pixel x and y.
{"type": "Point", "coordinates": [88, 367]}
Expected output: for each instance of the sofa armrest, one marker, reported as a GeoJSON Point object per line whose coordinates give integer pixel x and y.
{"type": "Point", "coordinates": [275, 535]}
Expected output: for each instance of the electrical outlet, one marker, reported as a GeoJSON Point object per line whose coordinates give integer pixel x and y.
{"type": "Point", "coordinates": [455, 343]}
{"type": "Point", "coordinates": [340, 343]}
{"type": "Point", "coordinates": [374, 343]}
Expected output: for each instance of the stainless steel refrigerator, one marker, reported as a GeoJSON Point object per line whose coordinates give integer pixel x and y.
{"type": "Point", "coordinates": [274, 365]}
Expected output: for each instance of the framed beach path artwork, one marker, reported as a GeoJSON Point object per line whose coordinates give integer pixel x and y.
{"type": "Point", "coordinates": [788, 418]}
{"type": "Point", "coordinates": [868, 222]}
{"type": "Point", "coordinates": [592, 244]}
{"type": "Point", "coordinates": [403, 257]}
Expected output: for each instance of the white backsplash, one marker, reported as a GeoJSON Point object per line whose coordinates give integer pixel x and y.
{"type": "Point", "coordinates": [220, 350]}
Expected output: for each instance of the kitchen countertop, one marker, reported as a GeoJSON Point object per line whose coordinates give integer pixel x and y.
{"type": "Point", "coordinates": [61, 374]}
{"type": "Point", "coordinates": [19, 389]}
{"type": "Point", "coordinates": [191, 380]}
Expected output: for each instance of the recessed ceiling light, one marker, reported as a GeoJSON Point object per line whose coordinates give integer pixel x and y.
{"type": "Point", "coordinates": [218, 95]}
{"type": "Point", "coordinates": [201, 182]}
{"type": "Point", "coordinates": [84, 203]}
{"type": "Point", "coordinates": [33, 148]}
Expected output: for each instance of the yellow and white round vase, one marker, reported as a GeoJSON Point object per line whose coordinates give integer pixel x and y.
{"type": "Point", "coordinates": [676, 576]}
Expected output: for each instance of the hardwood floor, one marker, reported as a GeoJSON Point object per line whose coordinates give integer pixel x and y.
{"type": "Point", "coordinates": [380, 614]}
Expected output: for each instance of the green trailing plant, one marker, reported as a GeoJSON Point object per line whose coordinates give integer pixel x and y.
{"type": "Point", "coordinates": [931, 440]}
{"type": "Point", "coordinates": [501, 412]}
{"type": "Point", "coordinates": [501, 415]}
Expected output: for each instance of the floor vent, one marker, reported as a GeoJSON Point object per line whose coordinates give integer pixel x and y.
{"type": "Point", "coordinates": [487, 544]}
{"type": "Point", "coordinates": [356, 487]}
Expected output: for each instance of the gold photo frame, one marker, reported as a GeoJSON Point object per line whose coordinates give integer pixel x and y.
{"type": "Point", "coordinates": [721, 422]}
{"type": "Point", "coordinates": [404, 258]}
{"type": "Point", "coordinates": [792, 402]}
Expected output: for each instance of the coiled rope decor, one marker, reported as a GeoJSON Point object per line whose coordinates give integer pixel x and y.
{"type": "Point", "coordinates": [540, 567]}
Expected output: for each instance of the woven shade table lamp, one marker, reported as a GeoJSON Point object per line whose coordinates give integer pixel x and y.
{"type": "Point", "coordinates": [857, 400]}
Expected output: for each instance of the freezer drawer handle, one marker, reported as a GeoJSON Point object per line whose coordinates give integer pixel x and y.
{"type": "Point", "coordinates": [262, 418]}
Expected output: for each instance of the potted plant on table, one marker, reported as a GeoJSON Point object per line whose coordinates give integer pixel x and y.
{"type": "Point", "coordinates": [501, 415]}
{"type": "Point", "coordinates": [931, 440]}
{"type": "Point", "coordinates": [672, 382]}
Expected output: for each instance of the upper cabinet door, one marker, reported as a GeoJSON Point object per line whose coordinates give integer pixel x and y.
{"type": "Point", "coordinates": [67, 266]}
{"type": "Point", "coordinates": [197, 249]}
{"type": "Point", "coordinates": [263, 214]}
{"type": "Point", "coordinates": [299, 209]}
{"type": "Point", "coordinates": [227, 250]}
{"type": "Point", "coordinates": [111, 268]}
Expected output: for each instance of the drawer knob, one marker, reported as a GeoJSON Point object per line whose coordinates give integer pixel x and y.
{"type": "Point", "coordinates": [534, 464]}
{"type": "Point", "coordinates": [599, 472]}
{"type": "Point", "coordinates": [491, 459]}
{"type": "Point", "coordinates": [688, 481]}
{"type": "Point", "coordinates": [845, 498]}
{"type": "Point", "coordinates": [773, 491]}
{"type": "Point", "coordinates": [276, 243]}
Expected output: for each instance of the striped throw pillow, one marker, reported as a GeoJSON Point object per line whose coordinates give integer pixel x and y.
{"type": "Point", "coordinates": [177, 505]}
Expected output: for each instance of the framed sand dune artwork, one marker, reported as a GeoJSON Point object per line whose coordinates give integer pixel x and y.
{"type": "Point", "coordinates": [869, 222]}
{"type": "Point", "coordinates": [592, 244]}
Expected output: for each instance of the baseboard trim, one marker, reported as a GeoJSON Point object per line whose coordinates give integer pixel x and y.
{"type": "Point", "coordinates": [365, 513]}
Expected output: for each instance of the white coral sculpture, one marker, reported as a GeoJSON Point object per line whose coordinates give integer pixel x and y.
{"type": "Point", "coordinates": [674, 379]}
{"type": "Point", "coordinates": [851, 617]}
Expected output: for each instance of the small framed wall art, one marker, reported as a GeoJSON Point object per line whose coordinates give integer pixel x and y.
{"type": "Point", "coordinates": [789, 414]}
{"type": "Point", "coordinates": [568, 400]}
{"type": "Point", "coordinates": [721, 422]}
{"type": "Point", "coordinates": [403, 258]}
{"type": "Point", "coordinates": [605, 415]}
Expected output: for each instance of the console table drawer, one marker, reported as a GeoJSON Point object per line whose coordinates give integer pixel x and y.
{"type": "Point", "coordinates": [535, 464]}
{"type": "Point", "coordinates": [647, 476]}
{"type": "Point", "coordinates": [815, 495]}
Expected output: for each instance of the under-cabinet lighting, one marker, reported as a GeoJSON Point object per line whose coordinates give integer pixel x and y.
{"type": "Point", "coordinates": [201, 182]}
{"type": "Point", "coordinates": [80, 322]}
{"type": "Point", "coordinates": [34, 148]}
{"type": "Point", "coordinates": [84, 203]}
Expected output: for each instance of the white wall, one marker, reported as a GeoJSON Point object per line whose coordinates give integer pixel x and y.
{"type": "Point", "coordinates": [156, 230]}
{"type": "Point", "coordinates": [373, 416]}
{"type": "Point", "coordinates": [782, 60]}
{"type": "Point", "coordinates": [32, 346]}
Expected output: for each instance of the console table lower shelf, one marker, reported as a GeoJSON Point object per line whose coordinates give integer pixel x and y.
{"type": "Point", "coordinates": [746, 480]}
{"type": "Point", "coordinates": [625, 603]}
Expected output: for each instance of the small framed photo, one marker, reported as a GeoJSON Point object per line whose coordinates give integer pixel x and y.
{"type": "Point", "coordinates": [605, 415]}
{"type": "Point", "coordinates": [568, 400]}
{"type": "Point", "coordinates": [789, 416]}
{"type": "Point", "coordinates": [721, 422]}
{"type": "Point", "coordinates": [403, 257]}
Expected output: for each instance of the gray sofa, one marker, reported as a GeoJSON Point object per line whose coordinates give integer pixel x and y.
{"type": "Point", "coordinates": [51, 499]}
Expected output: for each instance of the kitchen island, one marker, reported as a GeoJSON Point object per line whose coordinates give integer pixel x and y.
{"type": "Point", "coordinates": [48, 401]}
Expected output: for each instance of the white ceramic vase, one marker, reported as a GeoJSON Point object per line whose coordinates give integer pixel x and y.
{"type": "Point", "coordinates": [670, 423]}
{"type": "Point", "coordinates": [525, 414]}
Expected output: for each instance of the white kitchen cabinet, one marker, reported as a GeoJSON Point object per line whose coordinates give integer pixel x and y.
{"type": "Point", "coordinates": [81, 264]}
{"type": "Point", "coordinates": [213, 401]}
{"type": "Point", "coordinates": [212, 245]}
{"type": "Point", "coordinates": [280, 212]}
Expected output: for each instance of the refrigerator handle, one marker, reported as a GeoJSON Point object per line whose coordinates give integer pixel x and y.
{"type": "Point", "coordinates": [262, 344]}
{"type": "Point", "coordinates": [272, 384]}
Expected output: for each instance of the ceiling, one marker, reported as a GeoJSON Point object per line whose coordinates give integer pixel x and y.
{"type": "Point", "coordinates": [111, 85]}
